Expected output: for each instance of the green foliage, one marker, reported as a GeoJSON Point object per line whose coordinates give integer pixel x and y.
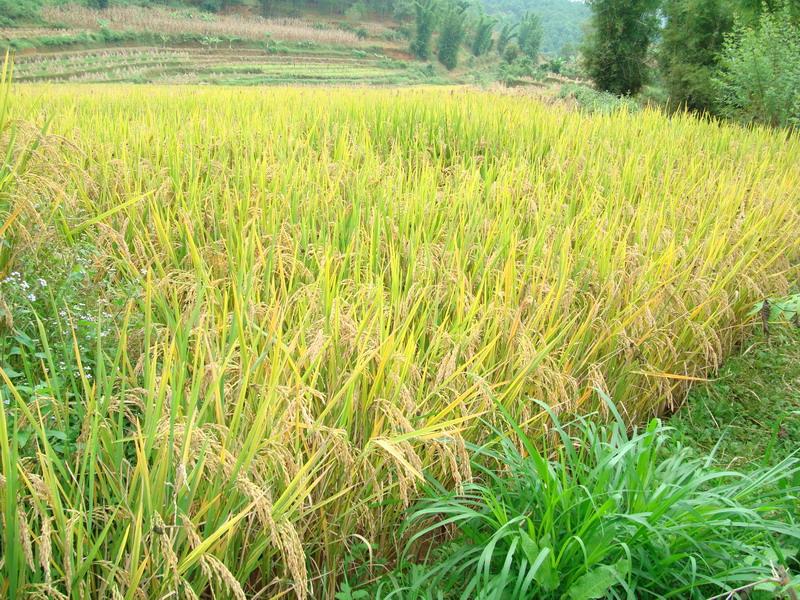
{"type": "Point", "coordinates": [598, 512]}
{"type": "Point", "coordinates": [511, 53]}
{"type": "Point", "coordinates": [563, 21]}
{"type": "Point", "coordinates": [555, 64]}
{"type": "Point", "coordinates": [482, 36]}
{"type": "Point", "coordinates": [781, 309]}
{"type": "Point", "coordinates": [759, 79]}
{"type": "Point", "coordinates": [692, 39]}
{"type": "Point", "coordinates": [451, 33]}
{"type": "Point", "coordinates": [425, 12]}
{"type": "Point", "coordinates": [508, 33]}
{"type": "Point", "coordinates": [616, 47]}
{"type": "Point", "coordinates": [530, 35]}
{"type": "Point", "coordinates": [518, 70]}
{"type": "Point", "coordinates": [14, 12]}
{"type": "Point", "coordinates": [356, 11]}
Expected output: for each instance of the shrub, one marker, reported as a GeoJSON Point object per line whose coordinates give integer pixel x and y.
{"type": "Point", "coordinates": [759, 79]}
{"type": "Point", "coordinates": [521, 68]}
{"type": "Point", "coordinates": [511, 53]}
{"type": "Point", "coordinates": [597, 512]}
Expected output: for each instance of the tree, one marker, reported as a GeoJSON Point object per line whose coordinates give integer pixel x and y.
{"type": "Point", "coordinates": [451, 34]}
{"type": "Point", "coordinates": [692, 38]}
{"type": "Point", "coordinates": [482, 38]}
{"type": "Point", "coordinates": [425, 17]}
{"type": "Point", "coordinates": [507, 34]}
{"type": "Point", "coordinates": [616, 46]}
{"type": "Point", "coordinates": [530, 35]}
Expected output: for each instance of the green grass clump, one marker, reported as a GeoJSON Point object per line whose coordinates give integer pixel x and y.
{"type": "Point", "coordinates": [598, 512]}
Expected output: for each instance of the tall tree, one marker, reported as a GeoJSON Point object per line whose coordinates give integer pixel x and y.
{"type": "Point", "coordinates": [482, 37]}
{"type": "Point", "coordinates": [616, 47]}
{"type": "Point", "coordinates": [425, 13]}
{"type": "Point", "coordinates": [507, 34]}
{"type": "Point", "coordinates": [451, 33]}
{"type": "Point", "coordinates": [530, 35]}
{"type": "Point", "coordinates": [692, 38]}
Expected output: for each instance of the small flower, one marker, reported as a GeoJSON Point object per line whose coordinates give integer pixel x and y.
{"type": "Point", "coordinates": [32, 297]}
{"type": "Point", "coordinates": [42, 283]}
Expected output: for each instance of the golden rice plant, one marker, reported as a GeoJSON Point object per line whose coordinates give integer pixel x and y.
{"type": "Point", "coordinates": [321, 293]}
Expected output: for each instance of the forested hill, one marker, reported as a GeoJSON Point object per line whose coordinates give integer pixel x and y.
{"type": "Point", "coordinates": [562, 20]}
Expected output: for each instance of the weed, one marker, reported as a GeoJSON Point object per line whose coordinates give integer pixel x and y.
{"type": "Point", "coordinates": [598, 512]}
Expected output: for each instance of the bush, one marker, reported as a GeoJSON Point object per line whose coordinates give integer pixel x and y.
{"type": "Point", "coordinates": [511, 53]}
{"type": "Point", "coordinates": [555, 64]}
{"type": "Point", "coordinates": [601, 513]}
{"type": "Point", "coordinates": [521, 68]}
{"type": "Point", "coordinates": [759, 79]}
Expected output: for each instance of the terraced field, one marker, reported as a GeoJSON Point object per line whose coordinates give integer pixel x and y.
{"type": "Point", "coordinates": [230, 66]}
{"type": "Point", "coordinates": [129, 44]}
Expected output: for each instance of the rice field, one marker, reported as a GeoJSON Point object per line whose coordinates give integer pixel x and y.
{"type": "Point", "coordinates": [296, 303]}
{"type": "Point", "coordinates": [240, 66]}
